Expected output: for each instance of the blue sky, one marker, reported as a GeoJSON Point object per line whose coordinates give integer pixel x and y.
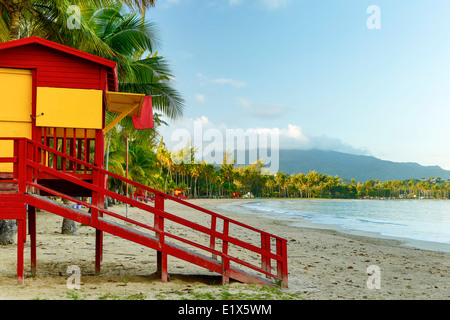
{"type": "Point", "coordinates": [314, 71]}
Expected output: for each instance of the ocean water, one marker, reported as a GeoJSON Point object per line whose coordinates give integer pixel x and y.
{"type": "Point", "coordinates": [424, 223]}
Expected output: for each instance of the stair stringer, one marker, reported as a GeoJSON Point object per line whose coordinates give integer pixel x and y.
{"type": "Point", "coordinates": [141, 238]}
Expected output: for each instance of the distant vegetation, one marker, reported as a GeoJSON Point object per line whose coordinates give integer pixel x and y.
{"type": "Point", "coordinates": [167, 171]}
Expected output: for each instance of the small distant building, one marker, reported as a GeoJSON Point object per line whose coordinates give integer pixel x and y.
{"type": "Point", "coordinates": [180, 194]}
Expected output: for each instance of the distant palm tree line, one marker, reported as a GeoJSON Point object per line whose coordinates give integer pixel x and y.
{"type": "Point", "coordinates": [154, 165]}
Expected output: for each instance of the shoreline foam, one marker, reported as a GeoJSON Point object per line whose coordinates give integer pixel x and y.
{"type": "Point", "coordinates": [301, 222]}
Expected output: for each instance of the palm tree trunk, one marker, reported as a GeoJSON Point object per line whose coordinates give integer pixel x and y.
{"type": "Point", "coordinates": [8, 231]}
{"type": "Point", "coordinates": [15, 15]}
{"type": "Point", "coordinates": [195, 189]}
{"type": "Point", "coordinates": [68, 226]}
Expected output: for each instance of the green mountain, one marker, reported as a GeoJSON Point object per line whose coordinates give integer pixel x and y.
{"type": "Point", "coordinates": [348, 166]}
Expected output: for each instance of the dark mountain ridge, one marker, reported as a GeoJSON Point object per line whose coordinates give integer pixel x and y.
{"type": "Point", "coordinates": [359, 167]}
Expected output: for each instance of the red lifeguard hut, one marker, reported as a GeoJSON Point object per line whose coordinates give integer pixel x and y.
{"type": "Point", "coordinates": [57, 96]}
{"type": "Point", "coordinates": [53, 101]}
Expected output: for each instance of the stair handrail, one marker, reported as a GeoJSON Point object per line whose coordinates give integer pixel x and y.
{"type": "Point", "coordinates": [149, 189]}
{"type": "Point", "coordinates": [280, 257]}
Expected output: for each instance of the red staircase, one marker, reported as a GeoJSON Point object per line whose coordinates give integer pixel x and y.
{"type": "Point", "coordinates": [220, 252]}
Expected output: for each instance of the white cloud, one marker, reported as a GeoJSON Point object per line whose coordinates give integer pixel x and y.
{"type": "Point", "coordinates": [204, 120]}
{"type": "Point", "coordinates": [295, 132]}
{"type": "Point", "coordinates": [290, 137]}
{"type": "Point", "coordinates": [261, 111]}
{"type": "Point", "coordinates": [200, 98]}
{"type": "Point", "coordinates": [212, 141]}
{"type": "Point", "coordinates": [234, 83]}
{"type": "Point", "coordinates": [222, 81]}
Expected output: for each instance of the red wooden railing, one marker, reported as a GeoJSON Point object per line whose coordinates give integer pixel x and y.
{"type": "Point", "coordinates": [77, 143]}
{"type": "Point", "coordinates": [29, 164]}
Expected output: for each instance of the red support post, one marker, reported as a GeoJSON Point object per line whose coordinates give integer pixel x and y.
{"type": "Point", "coordinates": [55, 146]}
{"type": "Point", "coordinates": [86, 149]}
{"type": "Point", "coordinates": [282, 269]}
{"type": "Point", "coordinates": [225, 259]}
{"type": "Point", "coordinates": [21, 159]}
{"type": "Point", "coordinates": [263, 257]}
{"type": "Point", "coordinates": [37, 156]}
{"type": "Point", "coordinates": [94, 223]}
{"type": "Point", "coordinates": [265, 260]}
{"type": "Point", "coordinates": [45, 154]}
{"type": "Point", "coordinates": [100, 163]}
{"type": "Point", "coordinates": [95, 196]}
{"type": "Point", "coordinates": [212, 241]}
{"type": "Point", "coordinates": [31, 155]}
{"type": "Point", "coordinates": [32, 231]}
{"type": "Point", "coordinates": [80, 153]}
{"type": "Point", "coordinates": [161, 257]}
{"type": "Point", "coordinates": [98, 250]}
{"type": "Point", "coordinates": [100, 197]}
{"type": "Point", "coordinates": [64, 147]}
{"type": "Point", "coordinates": [74, 150]}
{"type": "Point", "coordinates": [20, 250]}
{"type": "Point", "coordinates": [16, 164]}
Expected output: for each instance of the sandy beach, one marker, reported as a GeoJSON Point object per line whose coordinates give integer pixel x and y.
{"type": "Point", "coordinates": [323, 265]}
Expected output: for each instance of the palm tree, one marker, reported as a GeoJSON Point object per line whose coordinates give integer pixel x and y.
{"type": "Point", "coordinates": [270, 184]}
{"type": "Point", "coordinates": [13, 12]}
{"type": "Point", "coordinates": [142, 164]}
{"type": "Point", "coordinates": [208, 171]}
{"type": "Point", "coordinates": [116, 158]}
{"type": "Point", "coordinates": [281, 179]}
{"type": "Point", "coordinates": [227, 170]}
{"type": "Point", "coordinates": [165, 162]}
{"type": "Point", "coordinates": [196, 171]}
{"type": "Point", "coordinates": [124, 37]}
{"type": "Point", "coordinates": [106, 32]}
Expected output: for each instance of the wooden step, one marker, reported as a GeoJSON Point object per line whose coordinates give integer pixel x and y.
{"type": "Point", "coordinates": [58, 208]}
{"type": "Point", "coordinates": [178, 251]}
